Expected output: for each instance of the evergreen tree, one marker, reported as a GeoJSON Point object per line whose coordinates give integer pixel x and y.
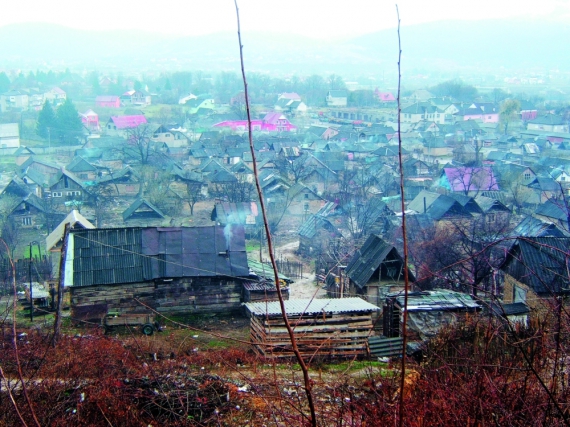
{"type": "Point", "coordinates": [68, 122]}
{"type": "Point", "coordinates": [4, 82]}
{"type": "Point", "coordinates": [47, 121]}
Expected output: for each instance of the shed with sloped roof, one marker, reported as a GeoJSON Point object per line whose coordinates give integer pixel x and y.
{"type": "Point", "coordinates": [375, 270]}
{"type": "Point", "coordinates": [324, 327]}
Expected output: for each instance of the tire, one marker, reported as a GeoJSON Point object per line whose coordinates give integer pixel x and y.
{"type": "Point", "coordinates": [148, 329]}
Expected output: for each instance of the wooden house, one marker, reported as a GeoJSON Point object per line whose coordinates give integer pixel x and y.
{"type": "Point", "coordinates": [327, 328]}
{"type": "Point", "coordinates": [124, 182]}
{"type": "Point", "coordinates": [374, 271]}
{"type": "Point", "coordinates": [246, 214]}
{"type": "Point", "coordinates": [22, 154]}
{"type": "Point", "coordinates": [66, 187]}
{"type": "Point", "coordinates": [27, 212]}
{"type": "Point", "coordinates": [302, 200]}
{"type": "Point", "coordinates": [536, 272]}
{"type": "Point", "coordinates": [183, 270]}
{"type": "Point", "coordinates": [318, 230]}
{"type": "Point", "coordinates": [143, 212]}
{"type": "Point", "coordinates": [438, 207]}
{"type": "Point", "coordinates": [82, 169]}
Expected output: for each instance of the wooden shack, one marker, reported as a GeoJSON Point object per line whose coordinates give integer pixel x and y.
{"type": "Point", "coordinates": [183, 270]}
{"type": "Point", "coordinates": [323, 327]}
{"type": "Point", "coordinates": [428, 312]}
{"type": "Point", "coordinates": [374, 271]}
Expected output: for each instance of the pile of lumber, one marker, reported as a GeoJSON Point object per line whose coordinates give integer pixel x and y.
{"type": "Point", "coordinates": [322, 335]}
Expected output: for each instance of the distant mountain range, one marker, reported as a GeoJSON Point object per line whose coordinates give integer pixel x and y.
{"type": "Point", "coordinates": [436, 46]}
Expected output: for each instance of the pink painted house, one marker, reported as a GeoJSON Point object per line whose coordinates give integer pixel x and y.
{"type": "Point", "coordinates": [272, 122]}
{"type": "Point", "coordinates": [528, 111]}
{"type": "Point", "coordinates": [108, 101]}
{"type": "Point", "coordinates": [468, 180]}
{"type": "Point", "coordinates": [384, 96]}
{"type": "Point", "coordinates": [118, 125]}
{"type": "Point", "coordinates": [90, 120]}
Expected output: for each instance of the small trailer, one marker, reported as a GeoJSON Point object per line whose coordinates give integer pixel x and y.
{"type": "Point", "coordinates": [147, 322]}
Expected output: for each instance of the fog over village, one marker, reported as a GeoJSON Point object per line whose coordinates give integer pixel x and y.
{"type": "Point", "coordinates": [352, 238]}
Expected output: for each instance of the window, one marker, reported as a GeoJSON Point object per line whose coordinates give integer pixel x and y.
{"type": "Point", "coordinates": [491, 217]}
{"type": "Point", "coordinates": [57, 194]}
{"type": "Point", "coordinates": [306, 207]}
{"type": "Point", "coordinates": [306, 195]}
{"type": "Point", "coordinates": [519, 294]}
{"type": "Point", "coordinates": [27, 220]}
{"type": "Point", "coordinates": [527, 175]}
{"type": "Point", "coordinates": [73, 193]}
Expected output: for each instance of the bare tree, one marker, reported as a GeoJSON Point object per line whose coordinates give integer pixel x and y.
{"type": "Point", "coordinates": [156, 188]}
{"type": "Point", "coordinates": [462, 254]}
{"type": "Point", "coordinates": [295, 170]}
{"type": "Point", "coordinates": [236, 191]}
{"type": "Point", "coordinates": [139, 145]}
{"type": "Point", "coordinates": [100, 197]}
{"type": "Point", "coordinates": [193, 194]}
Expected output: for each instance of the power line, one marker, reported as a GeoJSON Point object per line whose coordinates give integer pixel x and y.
{"type": "Point", "coordinates": [152, 257]}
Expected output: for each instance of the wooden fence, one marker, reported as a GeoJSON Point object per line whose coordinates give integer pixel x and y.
{"type": "Point", "coordinates": [291, 269]}
{"type": "Point", "coordinates": [41, 270]}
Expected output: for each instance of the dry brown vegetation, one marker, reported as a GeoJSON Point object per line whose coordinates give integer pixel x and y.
{"type": "Point", "coordinates": [477, 373]}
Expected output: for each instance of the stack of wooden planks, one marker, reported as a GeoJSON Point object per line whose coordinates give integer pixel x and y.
{"type": "Point", "coordinates": [324, 334]}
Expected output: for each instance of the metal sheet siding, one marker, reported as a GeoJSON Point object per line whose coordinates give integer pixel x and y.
{"type": "Point", "coordinates": [311, 306]}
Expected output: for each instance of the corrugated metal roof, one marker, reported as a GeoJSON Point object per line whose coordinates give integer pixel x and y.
{"type": "Point", "coordinates": [311, 306]}
{"type": "Point", "coordinates": [368, 258]}
{"type": "Point", "coordinates": [260, 286]}
{"type": "Point", "coordinates": [130, 255]}
{"type": "Point", "coordinates": [541, 263]}
{"type": "Point", "coordinates": [438, 300]}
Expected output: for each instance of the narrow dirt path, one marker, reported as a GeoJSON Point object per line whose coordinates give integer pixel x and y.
{"type": "Point", "coordinates": [307, 286]}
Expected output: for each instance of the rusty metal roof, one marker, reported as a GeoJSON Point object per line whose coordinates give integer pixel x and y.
{"type": "Point", "coordinates": [311, 306]}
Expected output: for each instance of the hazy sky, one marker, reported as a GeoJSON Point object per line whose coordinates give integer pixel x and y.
{"type": "Point", "coordinates": [316, 18]}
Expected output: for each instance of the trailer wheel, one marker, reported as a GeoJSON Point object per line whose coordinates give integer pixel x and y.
{"type": "Point", "coordinates": [148, 329]}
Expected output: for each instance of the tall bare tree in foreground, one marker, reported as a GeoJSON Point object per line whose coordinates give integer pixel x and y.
{"type": "Point", "coordinates": [302, 364]}
{"type": "Point", "coordinates": [406, 278]}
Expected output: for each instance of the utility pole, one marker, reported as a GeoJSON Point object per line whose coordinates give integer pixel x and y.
{"type": "Point", "coordinates": [31, 286]}
{"type": "Point", "coordinates": [60, 285]}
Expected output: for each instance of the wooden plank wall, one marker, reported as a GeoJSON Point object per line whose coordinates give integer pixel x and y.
{"type": "Point", "coordinates": [330, 335]}
{"type": "Point", "coordinates": [184, 296]}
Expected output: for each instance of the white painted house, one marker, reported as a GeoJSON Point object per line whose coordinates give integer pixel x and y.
{"type": "Point", "coordinates": [9, 138]}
